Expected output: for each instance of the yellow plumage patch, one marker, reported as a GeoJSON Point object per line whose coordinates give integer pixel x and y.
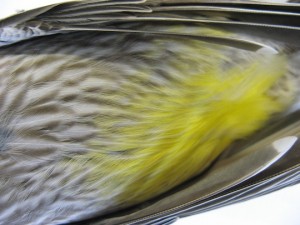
{"type": "Point", "coordinates": [173, 131]}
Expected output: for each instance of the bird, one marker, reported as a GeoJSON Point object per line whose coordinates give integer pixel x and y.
{"type": "Point", "coordinates": [107, 104]}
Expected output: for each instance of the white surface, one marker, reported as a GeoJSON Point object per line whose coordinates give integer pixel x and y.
{"type": "Point", "coordinates": [278, 208]}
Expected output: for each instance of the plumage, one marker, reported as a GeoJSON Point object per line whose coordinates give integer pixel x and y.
{"type": "Point", "coordinates": [106, 104]}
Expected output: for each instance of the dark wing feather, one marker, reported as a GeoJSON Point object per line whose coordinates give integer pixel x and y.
{"type": "Point", "coordinates": [24, 16]}
{"type": "Point", "coordinates": [267, 20]}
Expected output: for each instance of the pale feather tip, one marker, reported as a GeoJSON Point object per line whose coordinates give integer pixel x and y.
{"type": "Point", "coordinates": [284, 144]}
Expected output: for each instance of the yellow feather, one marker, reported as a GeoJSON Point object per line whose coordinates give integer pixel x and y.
{"type": "Point", "coordinates": [184, 125]}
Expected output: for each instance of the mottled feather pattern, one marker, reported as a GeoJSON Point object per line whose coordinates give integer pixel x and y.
{"type": "Point", "coordinates": [93, 122]}
{"type": "Point", "coordinates": [70, 108]}
{"type": "Point", "coordinates": [53, 117]}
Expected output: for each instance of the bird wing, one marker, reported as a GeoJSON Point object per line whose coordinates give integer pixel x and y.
{"type": "Point", "coordinates": [274, 21]}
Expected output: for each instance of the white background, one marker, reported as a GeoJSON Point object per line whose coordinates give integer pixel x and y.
{"type": "Point", "coordinates": [278, 208]}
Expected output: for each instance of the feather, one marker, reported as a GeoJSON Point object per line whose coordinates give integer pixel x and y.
{"type": "Point", "coordinates": [107, 104]}
{"type": "Point", "coordinates": [244, 17]}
